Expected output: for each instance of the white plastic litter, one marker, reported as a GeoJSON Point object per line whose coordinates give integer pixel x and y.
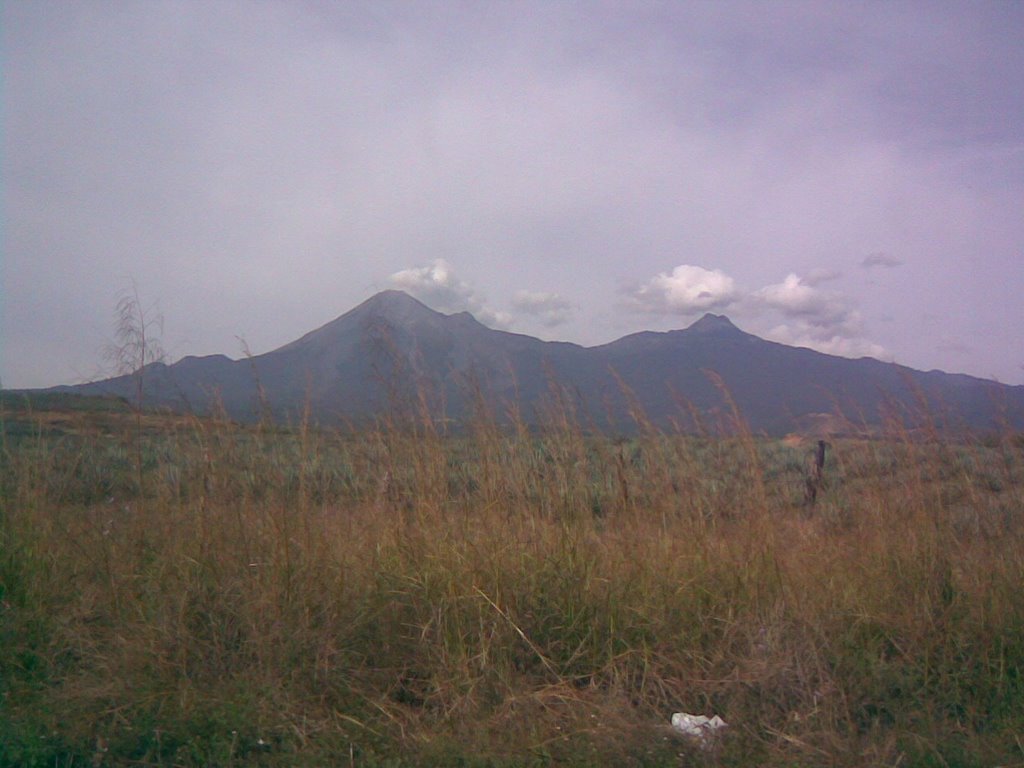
{"type": "Point", "coordinates": [698, 727]}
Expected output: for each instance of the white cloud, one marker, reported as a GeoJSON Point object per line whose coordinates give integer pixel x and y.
{"type": "Point", "coordinates": [811, 316]}
{"type": "Point", "coordinates": [800, 335]}
{"type": "Point", "coordinates": [550, 308]}
{"type": "Point", "coordinates": [819, 319]}
{"type": "Point", "coordinates": [795, 297]}
{"type": "Point", "coordinates": [687, 289]}
{"type": "Point", "coordinates": [437, 285]}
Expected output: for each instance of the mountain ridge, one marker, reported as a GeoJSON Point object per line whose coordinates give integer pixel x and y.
{"type": "Point", "coordinates": [393, 349]}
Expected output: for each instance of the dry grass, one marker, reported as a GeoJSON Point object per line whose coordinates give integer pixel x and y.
{"type": "Point", "coordinates": [398, 597]}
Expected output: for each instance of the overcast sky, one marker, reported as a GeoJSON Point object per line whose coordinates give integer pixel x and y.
{"type": "Point", "coordinates": [844, 176]}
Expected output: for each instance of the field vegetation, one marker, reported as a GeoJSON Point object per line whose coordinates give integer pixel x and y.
{"type": "Point", "coordinates": [183, 591]}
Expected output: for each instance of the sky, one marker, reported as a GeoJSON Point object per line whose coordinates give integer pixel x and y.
{"type": "Point", "coordinates": [843, 176]}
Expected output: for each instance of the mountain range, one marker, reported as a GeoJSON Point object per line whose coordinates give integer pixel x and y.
{"type": "Point", "coordinates": [392, 352]}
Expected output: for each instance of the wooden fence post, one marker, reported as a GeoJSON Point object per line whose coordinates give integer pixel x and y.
{"type": "Point", "coordinates": [814, 474]}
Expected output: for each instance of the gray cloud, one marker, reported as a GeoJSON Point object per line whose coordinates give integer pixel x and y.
{"type": "Point", "coordinates": [549, 308]}
{"type": "Point", "coordinates": [262, 168]}
{"type": "Point", "coordinates": [818, 276]}
{"type": "Point", "coordinates": [953, 344]}
{"type": "Point", "coordinates": [880, 260]}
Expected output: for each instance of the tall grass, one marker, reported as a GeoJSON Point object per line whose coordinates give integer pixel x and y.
{"type": "Point", "coordinates": [397, 596]}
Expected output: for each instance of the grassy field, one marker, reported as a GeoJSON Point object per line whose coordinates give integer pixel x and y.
{"type": "Point", "coordinates": [179, 591]}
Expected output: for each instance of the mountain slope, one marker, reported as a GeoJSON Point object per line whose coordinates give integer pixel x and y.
{"type": "Point", "coordinates": [392, 351]}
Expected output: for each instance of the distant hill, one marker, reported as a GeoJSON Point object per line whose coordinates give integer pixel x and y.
{"type": "Point", "coordinates": [393, 352]}
{"type": "Point", "coordinates": [61, 402]}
